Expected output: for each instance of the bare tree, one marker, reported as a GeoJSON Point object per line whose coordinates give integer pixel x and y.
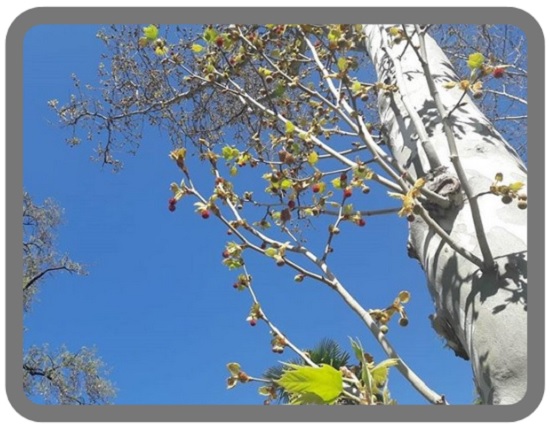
{"type": "Point", "coordinates": [62, 377]}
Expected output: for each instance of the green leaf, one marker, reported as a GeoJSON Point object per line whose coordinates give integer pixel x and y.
{"type": "Point", "coordinates": [380, 372]}
{"type": "Point", "coordinates": [348, 209]}
{"type": "Point", "coordinates": [289, 128]}
{"type": "Point", "coordinates": [306, 399]}
{"type": "Point", "coordinates": [394, 31]}
{"type": "Point", "coordinates": [342, 64]}
{"type": "Point", "coordinates": [475, 60]}
{"type": "Point", "coordinates": [334, 34]}
{"type": "Point", "coordinates": [209, 35]}
{"type": "Point", "coordinates": [271, 252]}
{"type": "Point", "coordinates": [336, 183]}
{"type": "Point", "coordinates": [358, 350]}
{"type": "Point", "coordinates": [197, 48]}
{"type": "Point", "coordinates": [264, 72]}
{"type": "Point", "coordinates": [516, 186]}
{"type": "Point", "coordinates": [356, 87]}
{"type": "Point", "coordinates": [234, 368]}
{"type": "Point", "coordinates": [279, 91]}
{"type": "Point", "coordinates": [366, 376]}
{"type": "Point", "coordinates": [265, 390]}
{"type": "Point", "coordinates": [362, 172]}
{"type": "Point", "coordinates": [233, 263]}
{"type": "Point", "coordinates": [229, 153]}
{"type": "Point", "coordinates": [312, 158]}
{"type": "Point", "coordinates": [151, 32]}
{"type": "Point", "coordinates": [323, 382]}
{"type": "Point", "coordinates": [161, 51]}
{"type": "Point", "coordinates": [286, 183]}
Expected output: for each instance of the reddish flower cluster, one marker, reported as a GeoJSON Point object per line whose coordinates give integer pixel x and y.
{"type": "Point", "coordinates": [498, 73]}
{"type": "Point", "coordinates": [172, 204]}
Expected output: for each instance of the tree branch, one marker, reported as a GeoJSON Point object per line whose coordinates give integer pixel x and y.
{"type": "Point", "coordinates": [488, 260]}
{"type": "Point", "coordinates": [46, 271]}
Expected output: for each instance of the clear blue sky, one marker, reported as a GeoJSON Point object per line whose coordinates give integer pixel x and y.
{"type": "Point", "coordinates": [158, 304]}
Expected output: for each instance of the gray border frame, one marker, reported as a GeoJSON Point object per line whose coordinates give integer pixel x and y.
{"type": "Point", "coordinates": [14, 164]}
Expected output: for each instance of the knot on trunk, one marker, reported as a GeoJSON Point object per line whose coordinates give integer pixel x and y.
{"type": "Point", "coordinates": [446, 184]}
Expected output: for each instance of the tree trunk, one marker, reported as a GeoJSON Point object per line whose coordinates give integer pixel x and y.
{"type": "Point", "coordinates": [482, 315]}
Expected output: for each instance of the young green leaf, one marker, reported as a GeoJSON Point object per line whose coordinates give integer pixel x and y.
{"type": "Point", "coordinates": [380, 372]}
{"type": "Point", "coordinates": [336, 183]}
{"type": "Point", "coordinates": [306, 399]}
{"type": "Point", "coordinates": [151, 32]}
{"type": "Point", "coordinates": [312, 158]}
{"type": "Point", "coordinates": [279, 91]}
{"type": "Point", "coordinates": [229, 153]}
{"type": "Point", "coordinates": [265, 390]}
{"type": "Point", "coordinates": [289, 128]}
{"type": "Point", "coordinates": [271, 252]}
{"type": "Point", "coordinates": [234, 368]}
{"type": "Point", "coordinates": [366, 376]}
{"type": "Point", "coordinates": [209, 35]}
{"type": "Point", "coordinates": [358, 350]}
{"type": "Point", "coordinates": [286, 183]}
{"type": "Point", "coordinates": [197, 48]}
{"type": "Point", "coordinates": [475, 60]}
{"type": "Point", "coordinates": [356, 87]}
{"type": "Point", "coordinates": [516, 186]}
{"type": "Point", "coordinates": [342, 64]}
{"type": "Point", "coordinates": [324, 382]}
{"type": "Point", "coordinates": [334, 34]}
{"type": "Point", "coordinates": [394, 31]}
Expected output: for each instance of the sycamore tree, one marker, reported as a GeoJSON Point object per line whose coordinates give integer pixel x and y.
{"type": "Point", "coordinates": [61, 376]}
{"type": "Point", "coordinates": [299, 125]}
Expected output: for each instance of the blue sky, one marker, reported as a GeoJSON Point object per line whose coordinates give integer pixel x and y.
{"type": "Point", "coordinates": [158, 304]}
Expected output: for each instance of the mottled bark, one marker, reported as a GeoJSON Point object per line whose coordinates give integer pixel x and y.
{"type": "Point", "coordinates": [482, 314]}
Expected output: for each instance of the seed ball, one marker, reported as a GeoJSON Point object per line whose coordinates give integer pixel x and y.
{"type": "Point", "coordinates": [506, 199]}
{"type": "Point", "coordinates": [522, 204]}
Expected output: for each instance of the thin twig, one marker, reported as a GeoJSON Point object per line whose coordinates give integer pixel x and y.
{"type": "Point", "coordinates": [276, 330]}
{"type": "Point", "coordinates": [507, 95]}
{"type": "Point", "coordinates": [240, 92]}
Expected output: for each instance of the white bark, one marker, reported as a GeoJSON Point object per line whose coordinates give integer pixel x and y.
{"type": "Point", "coordinates": [483, 315]}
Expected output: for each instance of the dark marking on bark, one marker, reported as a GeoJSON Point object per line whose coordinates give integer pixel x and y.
{"type": "Point", "coordinates": [411, 251]}
{"type": "Point", "coordinates": [445, 330]}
